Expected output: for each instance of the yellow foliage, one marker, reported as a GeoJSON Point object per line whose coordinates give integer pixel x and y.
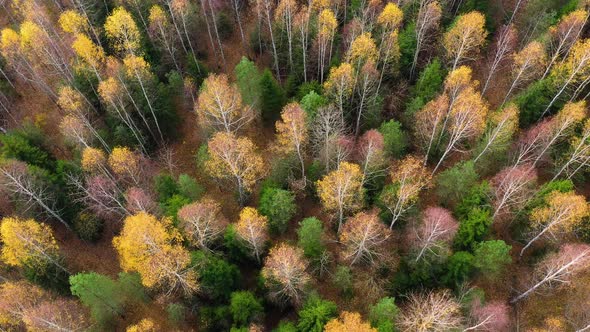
{"type": "Point", "coordinates": [158, 16]}
{"type": "Point", "coordinates": [252, 228]}
{"type": "Point", "coordinates": [148, 246]}
{"type": "Point", "coordinates": [145, 325]}
{"type": "Point", "coordinates": [572, 112]}
{"type": "Point", "coordinates": [465, 37]}
{"type": "Point", "coordinates": [234, 158]}
{"type": "Point", "coordinates": [326, 24]}
{"type": "Point", "coordinates": [577, 64]}
{"type": "Point", "coordinates": [72, 22]}
{"type": "Point", "coordinates": [391, 17]}
{"type": "Point", "coordinates": [16, 297]}
{"type": "Point", "coordinates": [342, 189]}
{"type": "Point", "coordinates": [220, 104]}
{"type": "Point", "coordinates": [348, 322]}
{"type": "Point", "coordinates": [70, 100]}
{"type": "Point", "coordinates": [292, 129]}
{"type": "Point", "coordinates": [362, 50]}
{"type": "Point", "coordinates": [93, 159]}
{"type": "Point", "coordinates": [340, 81]}
{"type": "Point", "coordinates": [135, 65]}
{"type": "Point", "coordinates": [26, 241]}
{"type": "Point", "coordinates": [30, 34]}
{"type": "Point", "coordinates": [531, 56]}
{"type": "Point", "coordinates": [9, 42]}
{"type": "Point", "coordinates": [122, 32]}
{"type": "Point", "coordinates": [562, 212]}
{"type": "Point", "coordinates": [88, 51]}
{"type": "Point", "coordinates": [123, 161]}
{"type": "Point", "coordinates": [109, 90]}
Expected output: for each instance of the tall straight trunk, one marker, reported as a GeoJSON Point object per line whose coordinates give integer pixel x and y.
{"type": "Point", "coordinates": [217, 33]}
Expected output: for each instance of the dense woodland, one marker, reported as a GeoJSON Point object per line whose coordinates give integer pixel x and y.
{"type": "Point", "coordinates": [321, 165]}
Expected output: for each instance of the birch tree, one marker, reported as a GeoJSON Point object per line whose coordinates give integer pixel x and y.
{"type": "Point", "coordinates": [371, 155]}
{"type": "Point", "coordinates": [561, 215]}
{"type": "Point", "coordinates": [284, 274]}
{"type": "Point", "coordinates": [431, 311]}
{"type": "Point", "coordinates": [435, 232]}
{"type": "Point", "coordinates": [160, 32]}
{"type": "Point", "coordinates": [340, 85]}
{"type": "Point", "coordinates": [252, 228]}
{"type": "Point", "coordinates": [501, 128]}
{"type": "Point", "coordinates": [563, 35]}
{"type": "Point", "coordinates": [327, 24]}
{"type": "Point", "coordinates": [202, 222]}
{"type": "Point", "coordinates": [503, 47]}
{"type": "Point", "coordinates": [465, 38]}
{"type": "Point", "coordinates": [363, 236]}
{"type": "Point", "coordinates": [578, 156]}
{"type": "Point", "coordinates": [526, 66]}
{"type": "Point", "coordinates": [122, 32]}
{"type": "Point", "coordinates": [512, 188]}
{"type": "Point", "coordinates": [292, 133]}
{"type": "Point", "coordinates": [327, 128]}
{"type": "Point", "coordinates": [427, 21]}
{"type": "Point", "coordinates": [558, 269]}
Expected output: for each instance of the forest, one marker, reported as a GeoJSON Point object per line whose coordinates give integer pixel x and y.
{"type": "Point", "coordinates": [294, 165]}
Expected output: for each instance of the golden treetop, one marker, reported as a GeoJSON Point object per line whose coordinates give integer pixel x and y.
{"type": "Point", "coordinates": [465, 36]}
{"type": "Point", "coordinates": [348, 321]}
{"type": "Point", "coordinates": [326, 24]}
{"type": "Point", "coordinates": [458, 80]}
{"type": "Point", "coordinates": [284, 262]}
{"type": "Point", "coordinates": [292, 128]}
{"type": "Point", "coordinates": [26, 241]}
{"type": "Point", "coordinates": [122, 31]}
{"type": "Point", "coordinates": [342, 187]}
{"type": "Point", "coordinates": [158, 16]}
{"type": "Point", "coordinates": [531, 56]}
{"type": "Point", "coordinates": [123, 161]}
{"type": "Point", "coordinates": [70, 100]}
{"type": "Point", "coordinates": [563, 211]}
{"type": "Point", "coordinates": [340, 80]}
{"type": "Point", "coordinates": [252, 223]}
{"type": "Point", "coordinates": [93, 159]}
{"type": "Point", "coordinates": [135, 65]}
{"type": "Point", "coordinates": [577, 64]}
{"type": "Point", "coordinates": [144, 325]}
{"type": "Point", "coordinates": [16, 297]}
{"type": "Point", "coordinates": [363, 50]}
{"type": "Point", "coordinates": [9, 42]}
{"type": "Point", "coordinates": [73, 22]}
{"type": "Point", "coordinates": [109, 90]}
{"type": "Point", "coordinates": [30, 35]}
{"type": "Point", "coordinates": [391, 17]}
{"type": "Point", "coordinates": [88, 51]}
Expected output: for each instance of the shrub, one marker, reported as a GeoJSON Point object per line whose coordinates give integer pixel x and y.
{"type": "Point", "coordinates": [279, 206]}
{"type": "Point", "coordinates": [343, 280]}
{"type": "Point", "coordinates": [165, 186]}
{"type": "Point", "coordinates": [188, 187]}
{"type": "Point", "coordinates": [176, 313]}
{"type": "Point", "coordinates": [88, 226]}
{"type": "Point", "coordinates": [309, 236]}
{"type": "Point", "coordinates": [533, 101]}
{"type": "Point", "coordinates": [214, 318]}
{"type": "Point", "coordinates": [311, 102]}
{"type": "Point", "coordinates": [244, 307]}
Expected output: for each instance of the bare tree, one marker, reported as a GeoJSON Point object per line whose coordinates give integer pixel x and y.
{"type": "Point", "coordinates": [202, 222]}
{"type": "Point", "coordinates": [492, 317]}
{"type": "Point", "coordinates": [512, 187]}
{"type": "Point", "coordinates": [327, 127]}
{"type": "Point", "coordinates": [578, 157]}
{"type": "Point", "coordinates": [504, 45]}
{"type": "Point", "coordinates": [437, 229]}
{"type": "Point", "coordinates": [428, 20]}
{"type": "Point", "coordinates": [431, 311]}
{"type": "Point", "coordinates": [285, 275]}
{"type": "Point", "coordinates": [362, 237]}
{"type": "Point", "coordinates": [558, 269]}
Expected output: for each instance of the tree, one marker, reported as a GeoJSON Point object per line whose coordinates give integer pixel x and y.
{"type": "Point", "coordinates": [218, 277]}
{"type": "Point", "coordinates": [56, 315]}
{"type": "Point", "coordinates": [492, 316]}
{"type": "Point", "coordinates": [558, 268]}
{"type": "Point", "coordinates": [431, 311]}
{"type": "Point", "coordinates": [407, 180]}
{"type": "Point", "coordinates": [326, 27]}
{"type": "Point", "coordinates": [340, 84]}
{"type": "Point", "coordinates": [279, 206]}
{"type": "Point", "coordinates": [315, 314]}
{"type": "Point", "coordinates": [504, 45]}
{"type": "Point", "coordinates": [106, 297]}
{"type": "Point", "coordinates": [309, 236]}
{"type": "Point", "coordinates": [341, 190]}
{"type": "Point", "coordinates": [578, 155]}
{"type": "Point", "coordinates": [502, 126]}
{"type": "Point", "coordinates": [363, 236]}
{"type": "Point", "coordinates": [562, 213]}
{"type": "Point", "coordinates": [284, 274]}
{"type": "Point", "coordinates": [427, 21]}
{"type": "Point", "coordinates": [122, 32]}
{"type": "Point", "coordinates": [248, 81]}
{"type": "Point", "coordinates": [17, 298]}
{"type": "Point", "coordinates": [564, 35]}
{"type": "Point", "coordinates": [220, 106]}
{"type": "Point", "coordinates": [350, 321]}
{"type": "Point", "coordinates": [147, 245]}
{"type": "Point", "coordinates": [491, 257]}
{"type": "Point", "coordinates": [395, 140]}
{"type": "Point", "coordinates": [235, 159]}
{"type": "Point", "coordinates": [292, 133]}
{"type": "Point", "coordinates": [202, 222]}
{"type": "Point", "coordinates": [384, 314]}
{"type": "Point", "coordinates": [272, 97]}
{"type": "Point", "coordinates": [328, 127]}
{"type": "Point", "coordinates": [526, 66]}
{"type": "Point", "coordinates": [252, 229]}
{"type": "Point", "coordinates": [160, 32]}
{"type": "Point", "coordinates": [31, 245]}
{"type": "Point", "coordinates": [437, 230]}
{"type": "Point", "coordinates": [512, 187]}
{"type": "Point", "coordinates": [573, 70]}
{"type": "Point", "coordinates": [454, 183]}
{"type": "Point", "coordinates": [465, 38]}
{"type": "Point", "coordinates": [245, 308]}
{"type": "Point", "coordinates": [371, 155]}
{"type": "Point", "coordinates": [144, 325]}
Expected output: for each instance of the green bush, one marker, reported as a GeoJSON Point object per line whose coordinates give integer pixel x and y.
{"type": "Point", "coordinates": [244, 308]}
{"type": "Point", "coordinates": [533, 101]}
{"type": "Point", "coordinates": [491, 257]}
{"type": "Point", "coordinates": [311, 102]}
{"type": "Point", "coordinates": [88, 226]}
{"type": "Point", "coordinates": [218, 277]}
{"type": "Point", "coordinates": [478, 197]}
{"type": "Point", "coordinates": [279, 206]}
{"type": "Point", "coordinates": [285, 326]}
{"type": "Point", "coordinates": [394, 138]}
{"type": "Point", "coordinates": [315, 314]}
{"type": "Point", "coordinates": [309, 236]}
{"type": "Point", "coordinates": [214, 319]}
{"type": "Point", "coordinates": [165, 186]}
{"type": "Point", "coordinates": [455, 182]}
{"type": "Point", "coordinates": [235, 248]}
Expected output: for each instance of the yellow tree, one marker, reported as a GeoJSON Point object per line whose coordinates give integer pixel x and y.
{"type": "Point", "coordinates": [235, 159]}
{"type": "Point", "coordinates": [348, 321]}
{"type": "Point", "coordinates": [93, 160]}
{"type": "Point", "coordinates": [284, 274]}
{"type": "Point", "coordinates": [73, 22]}
{"type": "Point", "coordinates": [362, 237]}
{"type": "Point", "coordinates": [125, 163]}
{"type": "Point", "coordinates": [16, 298]}
{"type": "Point", "coordinates": [340, 84]}
{"type": "Point", "coordinates": [465, 37]}
{"type": "Point", "coordinates": [220, 105]}
{"type": "Point", "coordinates": [144, 325]}
{"type": "Point", "coordinates": [56, 315]}
{"type": "Point", "coordinates": [562, 213]}
{"type": "Point", "coordinates": [362, 50]}
{"type": "Point", "coordinates": [327, 24]}
{"type": "Point", "coordinates": [29, 243]}
{"type": "Point", "coordinates": [252, 228]}
{"type": "Point", "coordinates": [122, 32]}
{"type": "Point", "coordinates": [161, 32]}
{"type": "Point", "coordinates": [407, 179]}
{"type": "Point", "coordinates": [202, 222]}
{"type": "Point", "coordinates": [575, 69]}
{"type": "Point", "coordinates": [526, 66]}
{"type": "Point", "coordinates": [292, 132]}
{"type": "Point", "coordinates": [341, 190]}
{"type": "Point", "coordinates": [152, 248]}
{"type": "Point", "coordinates": [92, 54]}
